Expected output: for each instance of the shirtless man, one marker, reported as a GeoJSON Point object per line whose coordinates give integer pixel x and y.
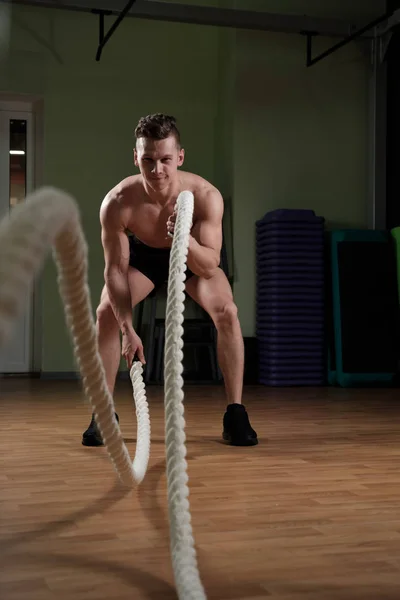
{"type": "Point", "coordinates": [144, 205]}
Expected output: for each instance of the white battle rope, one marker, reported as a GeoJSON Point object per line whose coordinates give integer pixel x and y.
{"type": "Point", "coordinates": [183, 553]}
{"type": "Point", "coordinates": [48, 219]}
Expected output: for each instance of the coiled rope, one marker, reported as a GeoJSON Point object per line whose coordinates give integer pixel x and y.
{"type": "Point", "coordinates": [50, 219]}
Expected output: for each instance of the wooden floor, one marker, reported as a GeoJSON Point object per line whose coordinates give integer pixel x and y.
{"type": "Point", "coordinates": [312, 512]}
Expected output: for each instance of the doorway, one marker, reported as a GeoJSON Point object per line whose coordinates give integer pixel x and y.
{"type": "Point", "coordinates": [16, 182]}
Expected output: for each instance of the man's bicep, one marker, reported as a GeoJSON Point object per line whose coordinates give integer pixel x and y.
{"type": "Point", "coordinates": [209, 234]}
{"type": "Point", "coordinates": [208, 228]}
{"type": "Point", "coordinates": [116, 249]}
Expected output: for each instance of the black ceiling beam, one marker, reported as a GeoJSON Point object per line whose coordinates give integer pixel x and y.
{"type": "Point", "coordinates": [206, 15]}
{"type": "Point", "coordinates": [312, 61]}
{"type": "Point", "coordinates": [103, 39]}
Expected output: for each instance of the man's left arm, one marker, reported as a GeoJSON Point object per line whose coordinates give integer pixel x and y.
{"type": "Point", "coordinates": [205, 239]}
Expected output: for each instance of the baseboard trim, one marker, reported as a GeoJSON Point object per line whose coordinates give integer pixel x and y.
{"type": "Point", "coordinates": [73, 375]}
{"type": "Point", "coordinates": [59, 375]}
{"type": "Point", "coordinates": [122, 376]}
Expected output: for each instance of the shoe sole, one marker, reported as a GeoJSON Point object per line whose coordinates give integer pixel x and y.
{"type": "Point", "coordinates": [247, 442]}
{"type": "Point", "coordinates": [92, 443]}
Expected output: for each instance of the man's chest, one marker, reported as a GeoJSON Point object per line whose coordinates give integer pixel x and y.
{"type": "Point", "coordinates": [149, 224]}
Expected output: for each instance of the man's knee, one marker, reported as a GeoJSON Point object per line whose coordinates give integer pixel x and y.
{"type": "Point", "coordinates": [226, 315]}
{"type": "Point", "coordinates": [105, 316]}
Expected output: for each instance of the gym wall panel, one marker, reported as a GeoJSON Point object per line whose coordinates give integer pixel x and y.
{"type": "Point", "coordinates": [300, 141]}
{"type": "Point", "coordinates": [268, 131]}
{"type": "Point", "coordinates": [91, 110]}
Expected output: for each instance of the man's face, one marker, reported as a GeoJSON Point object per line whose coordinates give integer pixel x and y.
{"type": "Point", "coordinates": [158, 160]}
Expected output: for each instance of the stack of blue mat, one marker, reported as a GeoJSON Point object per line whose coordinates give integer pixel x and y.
{"type": "Point", "coordinates": [290, 298]}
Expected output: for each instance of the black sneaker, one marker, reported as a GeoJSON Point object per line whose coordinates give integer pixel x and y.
{"type": "Point", "coordinates": [237, 428]}
{"type": "Point", "coordinates": [92, 436]}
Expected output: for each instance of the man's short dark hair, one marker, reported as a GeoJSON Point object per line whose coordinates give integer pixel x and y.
{"type": "Point", "coordinates": [157, 127]}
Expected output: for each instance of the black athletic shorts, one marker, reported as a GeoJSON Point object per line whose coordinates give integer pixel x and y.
{"type": "Point", "coordinates": [152, 262]}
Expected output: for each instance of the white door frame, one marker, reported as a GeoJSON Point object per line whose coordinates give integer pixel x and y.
{"type": "Point", "coordinates": [18, 110]}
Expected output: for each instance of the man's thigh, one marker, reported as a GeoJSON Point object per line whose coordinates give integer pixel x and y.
{"type": "Point", "coordinates": [140, 286]}
{"type": "Point", "coordinates": [210, 293]}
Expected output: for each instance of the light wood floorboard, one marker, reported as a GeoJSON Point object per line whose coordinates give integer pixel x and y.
{"type": "Point", "coordinates": [312, 512]}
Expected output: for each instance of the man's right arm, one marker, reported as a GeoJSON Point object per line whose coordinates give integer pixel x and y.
{"type": "Point", "coordinates": [116, 253]}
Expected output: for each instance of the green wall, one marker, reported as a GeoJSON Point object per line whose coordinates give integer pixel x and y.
{"type": "Point", "coordinates": [255, 121]}
{"type": "Point", "coordinates": [300, 142]}
{"type": "Point", "coordinates": [91, 110]}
